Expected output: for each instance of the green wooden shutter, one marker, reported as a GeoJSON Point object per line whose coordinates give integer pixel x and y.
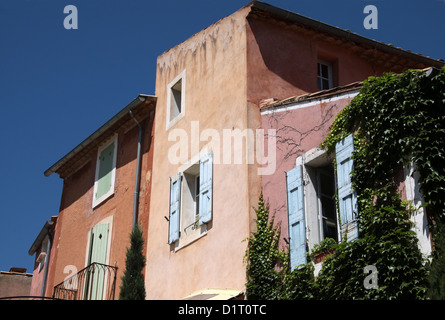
{"type": "Point", "coordinates": [100, 243]}
{"type": "Point", "coordinates": [96, 276]}
{"type": "Point", "coordinates": [105, 174]}
{"type": "Point", "coordinates": [296, 218]}
{"type": "Point", "coordinates": [346, 195]}
{"type": "Point", "coordinates": [175, 208]}
{"type": "Point", "coordinates": [205, 188]}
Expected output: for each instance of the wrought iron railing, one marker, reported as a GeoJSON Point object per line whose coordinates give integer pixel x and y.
{"type": "Point", "coordinates": [94, 282]}
{"type": "Point", "coordinates": [27, 298]}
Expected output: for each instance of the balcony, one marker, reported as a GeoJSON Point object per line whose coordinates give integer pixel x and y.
{"type": "Point", "coordinates": [94, 282]}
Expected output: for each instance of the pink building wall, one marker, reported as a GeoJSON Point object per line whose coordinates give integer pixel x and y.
{"type": "Point", "coordinates": [299, 127]}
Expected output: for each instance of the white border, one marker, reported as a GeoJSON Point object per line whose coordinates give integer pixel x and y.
{"type": "Point", "coordinates": [310, 103]}
{"type": "Point", "coordinates": [168, 123]}
{"type": "Point", "coordinates": [96, 202]}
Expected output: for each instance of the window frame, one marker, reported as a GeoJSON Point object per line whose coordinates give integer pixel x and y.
{"type": "Point", "coordinates": [110, 192]}
{"type": "Point", "coordinates": [188, 201]}
{"type": "Point", "coordinates": [322, 219]}
{"type": "Point", "coordinates": [190, 226]}
{"type": "Point", "coordinates": [311, 162]}
{"type": "Point", "coordinates": [171, 121]}
{"type": "Point", "coordinates": [419, 217]}
{"type": "Point", "coordinates": [320, 77]}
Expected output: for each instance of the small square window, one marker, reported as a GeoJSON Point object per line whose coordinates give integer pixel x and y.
{"type": "Point", "coordinates": [175, 100]}
{"type": "Point", "coordinates": [176, 97]}
{"type": "Point", "coordinates": [324, 75]}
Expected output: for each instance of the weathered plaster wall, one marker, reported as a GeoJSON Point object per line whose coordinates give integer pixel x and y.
{"type": "Point", "coordinates": [214, 61]}
{"type": "Point", "coordinates": [298, 131]}
{"type": "Point", "coordinates": [282, 61]}
{"type": "Point", "coordinates": [14, 284]}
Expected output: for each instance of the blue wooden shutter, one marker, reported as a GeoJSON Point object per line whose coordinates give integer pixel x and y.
{"type": "Point", "coordinates": [296, 219]}
{"type": "Point", "coordinates": [346, 195]}
{"type": "Point", "coordinates": [175, 208]}
{"type": "Point", "coordinates": [205, 188]}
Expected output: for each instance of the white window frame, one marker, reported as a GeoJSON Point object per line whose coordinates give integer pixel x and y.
{"type": "Point", "coordinates": [419, 216]}
{"type": "Point", "coordinates": [194, 233]}
{"type": "Point", "coordinates": [310, 161]}
{"type": "Point", "coordinates": [329, 78]}
{"type": "Point", "coordinates": [169, 120]}
{"type": "Point", "coordinates": [97, 201]}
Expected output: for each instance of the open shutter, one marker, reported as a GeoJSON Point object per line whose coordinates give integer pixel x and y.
{"type": "Point", "coordinates": [95, 280]}
{"type": "Point", "coordinates": [346, 195]}
{"type": "Point", "coordinates": [100, 243]}
{"type": "Point", "coordinates": [205, 188]}
{"type": "Point", "coordinates": [105, 175]}
{"type": "Point", "coordinates": [175, 208]}
{"type": "Point", "coordinates": [296, 219]}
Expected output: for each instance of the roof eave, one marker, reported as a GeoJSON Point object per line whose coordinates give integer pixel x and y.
{"type": "Point", "coordinates": [343, 34]}
{"type": "Point", "coordinates": [139, 100]}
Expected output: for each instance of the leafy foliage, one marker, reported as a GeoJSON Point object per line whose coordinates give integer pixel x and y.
{"type": "Point", "coordinates": [262, 255]}
{"type": "Point", "coordinates": [396, 120]}
{"type": "Point", "coordinates": [268, 271]}
{"type": "Point", "coordinates": [133, 286]}
{"type": "Point", "coordinates": [325, 245]}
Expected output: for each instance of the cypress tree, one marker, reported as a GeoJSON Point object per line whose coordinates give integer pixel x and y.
{"type": "Point", "coordinates": [133, 287]}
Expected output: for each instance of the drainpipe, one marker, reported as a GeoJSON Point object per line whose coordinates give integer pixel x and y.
{"type": "Point", "coordinates": [138, 173]}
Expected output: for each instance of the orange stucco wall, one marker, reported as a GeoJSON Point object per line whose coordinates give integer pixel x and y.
{"type": "Point", "coordinates": [77, 216]}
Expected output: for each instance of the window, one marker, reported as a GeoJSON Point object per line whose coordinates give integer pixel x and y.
{"type": "Point", "coordinates": [190, 200]}
{"type": "Point", "coordinates": [191, 197]}
{"type": "Point", "coordinates": [327, 210]}
{"type": "Point", "coordinates": [175, 100]}
{"type": "Point", "coordinates": [420, 216]}
{"type": "Point", "coordinates": [105, 171]}
{"type": "Point", "coordinates": [312, 211]}
{"type": "Point", "coordinates": [324, 75]}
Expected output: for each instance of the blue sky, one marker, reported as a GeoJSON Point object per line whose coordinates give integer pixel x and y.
{"type": "Point", "coordinates": [57, 86]}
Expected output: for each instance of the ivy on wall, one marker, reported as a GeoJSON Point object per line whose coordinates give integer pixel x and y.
{"type": "Point", "coordinates": [268, 270]}
{"type": "Point", "coordinates": [396, 119]}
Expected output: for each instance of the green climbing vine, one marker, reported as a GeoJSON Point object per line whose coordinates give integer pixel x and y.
{"type": "Point", "coordinates": [268, 271]}
{"type": "Point", "coordinates": [262, 255]}
{"type": "Point", "coordinates": [396, 119]}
